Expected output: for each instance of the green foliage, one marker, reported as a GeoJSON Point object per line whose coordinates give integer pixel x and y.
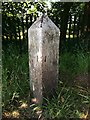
{"type": "Point", "coordinates": [15, 78]}
{"type": "Point", "coordinates": [74, 64]}
{"type": "Point", "coordinates": [67, 102]}
{"type": "Point", "coordinates": [12, 14]}
{"type": "Point", "coordinates": [18, 9]}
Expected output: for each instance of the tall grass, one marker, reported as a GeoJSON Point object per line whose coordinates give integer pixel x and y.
{"type": "Point", "coordinates": [15, 79]}
{"type": "Point", "coordinates": [70, 102]}
{"type": "Point", "coordinates": [74, 63]}
{"type": "Point", "coordinates": [67, 102]}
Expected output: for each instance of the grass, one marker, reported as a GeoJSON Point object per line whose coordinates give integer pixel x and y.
{"type": "Point", "coordinates": [67, 102]}
{"type": "Point", "coordinates": [15, 78]}
{"type": "Point", "coordinates": [72, 65]}
{"type": "Point", "coordinates": [75, 63]}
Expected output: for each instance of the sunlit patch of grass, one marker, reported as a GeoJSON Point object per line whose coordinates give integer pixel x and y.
{"type": "Point", "coordinates": [84, 115]}
{"type": "Point", "coordinates": [15, 114]}
{"type": "Point", "coordinates": [23, 105]}
{"type": "Point", "coordinates": [7, 114]}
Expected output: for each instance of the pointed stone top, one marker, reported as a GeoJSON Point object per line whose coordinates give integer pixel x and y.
{"type": "Point", "coordinates": [44, 22]}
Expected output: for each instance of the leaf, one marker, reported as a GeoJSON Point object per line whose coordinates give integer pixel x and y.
{"type": "Point", "coordinates": [36, 109]}
{"type": "Point", "coordinates": [62, 99]}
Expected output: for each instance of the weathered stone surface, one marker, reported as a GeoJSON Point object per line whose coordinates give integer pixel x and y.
{"type": "Point", "coordinates": [43, 44]}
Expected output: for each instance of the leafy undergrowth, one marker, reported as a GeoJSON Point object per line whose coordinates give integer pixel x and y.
{"type": "Point", "coordinates": [67, 103]}
{"type": "Point", "coordinates": [70, 101]}
{"type": "Point", "coordinates": [15, 77]}
{"type": "Point", "coordinates": [74, 68]}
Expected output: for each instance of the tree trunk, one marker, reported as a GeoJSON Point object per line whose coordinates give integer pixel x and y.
{"type": "Point", "coordinates": [64, 21]}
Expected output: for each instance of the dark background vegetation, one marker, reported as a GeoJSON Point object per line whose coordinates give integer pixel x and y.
{"type": "Point", "coordinates": [72, 94]}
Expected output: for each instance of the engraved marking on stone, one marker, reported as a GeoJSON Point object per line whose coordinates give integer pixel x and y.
{"type": "Point", "coordinates": [45, 59]}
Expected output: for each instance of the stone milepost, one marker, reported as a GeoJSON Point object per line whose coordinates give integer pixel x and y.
{"type": "Point", "coordinates": [43, 48]}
